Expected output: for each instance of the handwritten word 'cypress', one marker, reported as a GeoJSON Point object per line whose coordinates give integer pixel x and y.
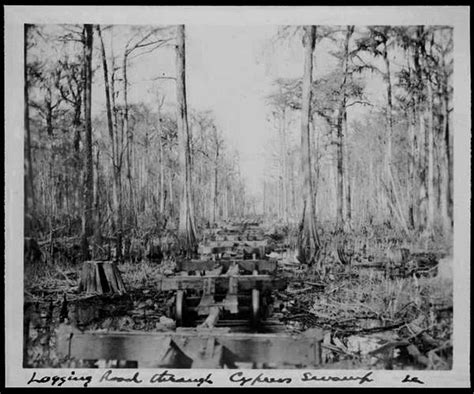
{"type": "Point", "coordinates": [239, 377]}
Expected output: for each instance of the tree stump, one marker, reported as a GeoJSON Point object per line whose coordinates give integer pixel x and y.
{"type": "Point", "coordinates": [101, 277]}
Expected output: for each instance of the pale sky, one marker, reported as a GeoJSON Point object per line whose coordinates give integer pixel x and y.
{"type": "Point", "coordinates": [230, 71]}
{"type": "Point", "coordinates": [225, 74]}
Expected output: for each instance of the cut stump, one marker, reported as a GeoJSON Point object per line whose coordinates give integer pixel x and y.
{"type": "Point", "coordinates": [101, 277]}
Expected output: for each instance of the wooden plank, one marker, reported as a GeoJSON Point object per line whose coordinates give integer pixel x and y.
{"type": "Point", "coordinates": [214, 330]}
{"type": "Point", "coordinates": [245, 282]}
{"type": "Point", "coordinates": [236, 244]}
{"type": "Point", "coordinates": [297, 350]}
{"type": "Point", "coordinates": [208, 291]}
{"type": "Point", "coordinates": [205, 305]}
{"type": "Point", "coordinates": [263, 266]}
{"type": "Point", "coordinates": [211, 319]}
{"type": "Point", "coordinates": [210, 357]}
{"type": "Point", "coordinates": [231, 301]}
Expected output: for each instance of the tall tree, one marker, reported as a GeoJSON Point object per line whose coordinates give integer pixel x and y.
{"type": "Point", "coordinates": [143, 38]}
{"type": "Point", "coordinates": [186, 229]}
{"type": "Point", "coordinates": [115, 157]}
{"type": "Point", "coordinates": [407, 79]}
{"type": "Point", "coordinates": [72, 92]}
{"type": "Point", "coordinates": [162, 167]}
{"type": "Point", "coordinates": [87, 207]}
{"type": "Point", "coordinates": [430, 141]}
{"type": "Point", "coordinates": [446, 63]}
{"type": "Point", "coordinates": [377, 41]}
{"type": "Point", "coordinates": [308, 239]}
{"type": "Point", "coordinates": [217, 148]}
{"type": "Point", "coordinates": [341, 115]}
{"type": "Point", "coordinates": [28, 177]}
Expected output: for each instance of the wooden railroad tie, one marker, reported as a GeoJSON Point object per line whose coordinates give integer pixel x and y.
{"type": "Point", "coordinates": [262, 266]}
{"type": "Point", "coordinates": [192, 348]}
{"type": "Point", "coordinates": [221, 283]}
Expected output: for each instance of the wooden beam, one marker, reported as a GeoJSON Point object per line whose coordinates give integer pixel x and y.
{"type": "Point", "coordinates": [236, 244]}
{"type": "Point", "coordinates": [245, 282]}
{"type": "Point", "coordinates": [212, 318]}
{"type": "Point", "coordinates": [263, 266]}
{"type": "Point", "coordinates": [282, 349]}
{"type": "Point", "coordinates": [231, 300]}
{"type": "Point", "coordinates": [207, 300]}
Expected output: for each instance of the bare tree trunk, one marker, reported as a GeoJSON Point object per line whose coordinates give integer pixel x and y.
{"type": "Point", "coordinates": [447, 163]}
{"type": "Point", "coordinates": [225, 209]}
{"type": "Point", "coordinates": [129, 152]}
{"type": "Point", "coordinates": [88, 171]}
{"type": "Point", "coordinates": [389, 108]}
{"type": "Point", "coordinates": [170, 188]}
{"type": "Point", "coordinates": [373, 185]}
{"type": "Point", "coordinates": [215, 194]}
{"type": "Point", "coordinates": [393, 194]}
{"type": "Point", "coordinates": [28, 178]}
{"type": "Point", "coordinates": [423, 211]}
{"type": "Point", "coordinates": [162, 179]}
{"type": "Point", "coordinates": [340, 168]}
{"type": "Point", "coordinates": [78, 162]}
{"type": "Point", "coordinates": [412, 184]}
{"type": "Point", "coordinates": [216, 169]}
{"type": "Point", "coordinates": [308, 242]}
{"type": "Point", "coordinates": [430, 150]}
{"type": "Point", "coordinates": [162, 173]}
{"type": "Point", "coordinates": [341, 115]}
{"type": "Point", "coordinates": [97, 219]}
{"type": "Point", "coordinates": [284, 159]}
{"type": "Point", "coordinates": [419, 186]}
{"type": "Point", "coordinates": [416, 180]}
{"type": "Point", "coordinates": [264, 196]}
{"type": "Point", "coordinates": [186, 228]}
{"type": "Point", "coordinates": [430, 180]}
{"type": "Point", "coordinates": [388, 158]}
{"type": "Point", "coordinates": [293, 189]}
{"type": "Point", "coordinates": [116, 187]}
{"type": "Point", "coordinates": [348, 217]}
{"type": "Point", "coordinates": [49, 112]}
{"type": "Point", "coordinates": [449, 169]}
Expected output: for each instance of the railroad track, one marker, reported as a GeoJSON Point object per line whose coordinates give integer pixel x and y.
{"type": "Point", "coordinates": [221, 308]}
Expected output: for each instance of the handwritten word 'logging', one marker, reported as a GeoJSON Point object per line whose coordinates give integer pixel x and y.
{"type": "Point", "coordinates": [60, 380]}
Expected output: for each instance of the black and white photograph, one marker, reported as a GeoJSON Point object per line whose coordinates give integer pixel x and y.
{"type": "Point", "coordinates": [237, 196]}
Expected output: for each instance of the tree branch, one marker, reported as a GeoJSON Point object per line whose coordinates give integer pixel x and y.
{"type": "Point", "coordinates": [359, 102]}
